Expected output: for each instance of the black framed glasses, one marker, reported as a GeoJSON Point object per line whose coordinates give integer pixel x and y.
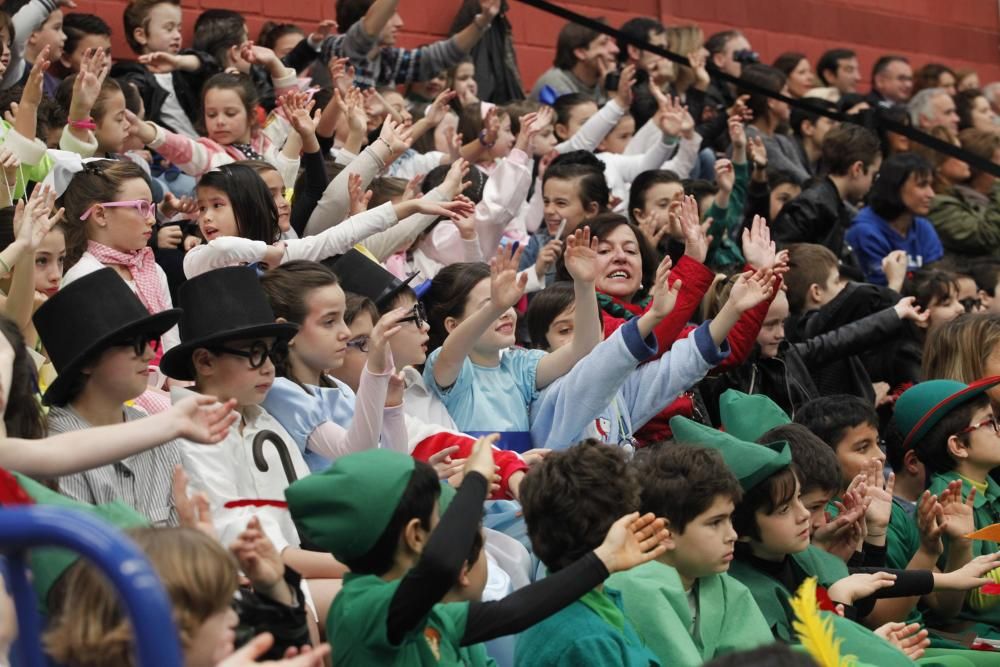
{"type": "Point", "coordinates": [361, 343]}
{"type": "Point", "coordinates": [138, 342]}
{"type": "Point", "coordinates": [990, 421]}
{"type": "Point", "coordinates": [257, 353]}
{"type": "Point", "coordinates": [419, 315]}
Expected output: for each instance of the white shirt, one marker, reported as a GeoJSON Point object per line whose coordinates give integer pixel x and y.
{"type": "Point", "coordinates": [226, 472]}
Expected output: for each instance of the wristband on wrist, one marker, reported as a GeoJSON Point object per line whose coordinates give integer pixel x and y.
{"type": "Point", "coordinates": [85, 124]}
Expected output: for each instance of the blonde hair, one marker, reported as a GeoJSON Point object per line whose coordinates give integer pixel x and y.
{"type": "Point", "coordinates": [89, 628]}
{"type": "Point", "coordinates": [958, 350]}
{"type": "Point", "coordinates": [682, 40]}
{"type": "Point", "coordinates": [717, 295]}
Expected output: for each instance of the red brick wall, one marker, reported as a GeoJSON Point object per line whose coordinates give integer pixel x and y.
{"type": "Point", "coordinates": [957, 32]}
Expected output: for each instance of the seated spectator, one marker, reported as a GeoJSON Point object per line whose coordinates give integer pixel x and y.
{"type": "Point", "coordinates": [967, 79]}
{"type": "Point", "coordinates": [810, 130]}
{"type": "Point", "coordinates": [892, 82]}
{"type": "Point", "coordinates": [651, 69]}
{"type": "Point", "coordinates": [768, 115]}
{"type": "Point", "coordinates": [967, 220]}
{"type": "Point", "coordinates": [838, 68]}
{"type": "Point", "coordinates": [933, 107]}
{"type": "Point", "coordinates": [974, 111]}
{"type": "Point", "coordinates": [895, 218]}
{"type": "Point", "coordinates": [823, 212]}
{"type": "Point", "coordinates": [935, 75]}
{"type": "Point", "coordinates": [583, 59]}
{"type": "Point", "coordinates": [797, 68]}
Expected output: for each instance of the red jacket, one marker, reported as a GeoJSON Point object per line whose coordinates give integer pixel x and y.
{"type": "Point", "coordinates": [695, 279]}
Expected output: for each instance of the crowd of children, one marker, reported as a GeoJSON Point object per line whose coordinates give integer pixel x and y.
{"type": "Point", "coordinates": [382, 364]}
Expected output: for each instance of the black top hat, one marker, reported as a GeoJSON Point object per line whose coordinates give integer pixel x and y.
{"type": "Point", "coordinates": [360, 275]}
{"type": "Point", "coordinates": [219, 306]}
{"type": "Point", "coordinates": [88, 316]}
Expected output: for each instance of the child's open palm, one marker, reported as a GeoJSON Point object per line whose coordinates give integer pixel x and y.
{"type": "Point", "coordinates": [437, 110]}
{"type": "Point", "coordinates": [481, 458]}
{"type": "Point", "coordinates": [879, 492]}
{"type": "Point", "coordinates": [203, 419]}
{"type": "Point", "coordinates": [506, 287]}
{"type": "Point", "coordinates": [193, 511]}
{"type": "Point", "coordinates": [93, 70]}
{"type": "Point", "coordinates": [930, 523]}
{"type": "Point", "coordinates": [31, 94]}
{"type": "Point", "coordinates": [581, 256]}
{"type": "Point", "coordinates": [696, 238]}
{"type": "Point", "coordinates": [752, 288]}
{"type": "Point", "coordinates": [665, 291]}
{"type": "Point", "coordinates": [631, 541]}
{"type": "Point", "coordinates": [32, 220]}
{"type": "Point", "coordinates": [397, 135]}
{"type": "Point", "coordinates": [358, 195]}
{"type": "Point", "coordinates": [910, 639]}
{"type": "Point", "coordinates": [959, 518]}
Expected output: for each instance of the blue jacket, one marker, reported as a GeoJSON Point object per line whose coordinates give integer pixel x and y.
{"type": "Point", "coordinates": [605, 395]}
{"type": "Point", "coordinates": [872, 238]}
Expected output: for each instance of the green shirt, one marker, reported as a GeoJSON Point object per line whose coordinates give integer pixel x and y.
{"type": "Point", "coordinates": [725, 250]}
{"type": "Point", "coordinates": [657, 605]}
{"type": "Point", "coordinates": [986, 511]}
{"type": "Point", "coordinates": [356, 627]}
{"type": "Point", "coordinates": [584, 633]}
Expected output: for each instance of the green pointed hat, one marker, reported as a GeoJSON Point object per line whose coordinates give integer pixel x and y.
{"type": "Point", "coordinates": [346, 508]}
{"type": "Point", "coordinates": [750, 462]}
{"type": "Point", "coordinates": [749, 416]}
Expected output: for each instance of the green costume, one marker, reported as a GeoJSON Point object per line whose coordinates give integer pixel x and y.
{"type": "Point", "coordinates": [657, 604]}
{"type": "Point", "coordinates": [591, 631]}
{"type": "Point", "coordinates": [772, 598]}
{"type": "Point", "coordinates": [725, 250]}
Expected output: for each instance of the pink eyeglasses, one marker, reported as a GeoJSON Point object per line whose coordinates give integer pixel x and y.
{"type": "Point", "coordinates": [145, 208]}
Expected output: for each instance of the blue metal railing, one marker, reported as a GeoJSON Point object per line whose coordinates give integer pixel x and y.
{"type": "Point", "coordinates": [121, 561]}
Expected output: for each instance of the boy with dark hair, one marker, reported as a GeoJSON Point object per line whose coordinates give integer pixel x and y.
{"type": "Point", "coordinates": [810, 129]}
{"type": "Point", "coordinates": [684, 605]}
{"type": "Point", "coordinates": [570, 499]}
{"type": "Point", "coordinates": [378, 511]}
{"type": "Point", "coordinates": [823, 212]}
{"type": "Point", "coordinates": [583, 59]}
{"type": "Point", "coordinates": [986, 273]}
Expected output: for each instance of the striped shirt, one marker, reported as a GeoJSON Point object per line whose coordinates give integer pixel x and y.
{"type": "Point", "coordinates": [141, 481]}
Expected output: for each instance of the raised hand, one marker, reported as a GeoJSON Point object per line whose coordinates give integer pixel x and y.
{"type": "Point", "coordinates": [894, 266]}
{"type": "Point", "coordinates": [203, 419]}
{"type": "Point", "coordinates": [298, 109]}
{"type": "Point", "coordinates": [664, 290]}
{"type": "Point", "coordinates": [878, 493]}
{"type": "Point", "coordinates": [193, 511]}
{"type": "Point", "coordinates": [387, 326]}
{"type": "Point", "coordinates": [752, 288]}
{"type": "Point", "coordinates": [959, 519]}
{"type": "Point", "coordinates": [673, 117]}
{"type": "Point", "coordinates": [173, 205]}
{"type": "Point", "coordinates": [481, 458]}
{"type": "Point", "coordinates": [491, 128]}
{"type": "Point", "coordinates": [737, 133]}
{"type": "Point", "coordinates": [342, 73]}
{"type": "Point", "coordinates": [531, 126]}
{"type": "Point", "coordinates": [324, 30]}
{"type": "Point", "coordinates": [444, 465]}
{"type": "Point", "coordinates": [840, 536]}
{"type": "Point", "coordinates": [10, 164]}
{"type": "Point", "coordinates": [697, 60]}
{"type": "Point", "coordinates": [31, 95]}
{"type": "Point", "coordinates": [930, 523]}
{"type": "Point", "coordinates": [758, 248]}
{"type": "Point", "coordinates": [547, 257]}
{"type": "Point", "coordinates": [506, 287]}
{"type": "Point", "coordinates": [398, 136]}
{"type": "Point", "coordinates": [437, 109]}
{"type": "Point", "coordinates": [655, 227]}
{"type": "Point", "coordinates": [260, 55]}
{"type": "Point", "coordinates": [33, 221]}
{"type": "Point", "coordinates": [632, 540]}
{"type": "Point", "coordinates": [725, 175]}
{"type": "Point", "coordinates": [910, 639]}
{"type": "Point", "coordinates": [412, 190]}
{"type": "Point", "coordinates": [358, 195]}
{"type": "Point", "coordinates": [626, 85]}
{"type": "Point", "coordinates": [454, 181]}
{"type": "Point", "coordinates": [451, 210]}
{"type": "Point", "coordinates": [581, 256]}
{"type": "Point", "coordinates": [757, 153]}
{"type": "Point", "coordinates": [258, 558]}
{"type": "Point", "coordinates": [696, 238]}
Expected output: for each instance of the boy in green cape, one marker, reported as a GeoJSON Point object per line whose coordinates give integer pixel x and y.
{"type": "Point", "coordinates": [684, 605]}
{"type": "Point", "coordinates": [773, 554]}
{"type": "Point", "coordinates": [377, 512]}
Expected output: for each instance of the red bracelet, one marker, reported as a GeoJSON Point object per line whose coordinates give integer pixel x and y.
{"type": "Point", "coordinates": [88, 124]}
